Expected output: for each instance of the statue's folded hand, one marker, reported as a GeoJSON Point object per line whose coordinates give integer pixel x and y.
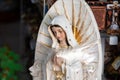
{"type": "Point", "coordinates": [58, 61]}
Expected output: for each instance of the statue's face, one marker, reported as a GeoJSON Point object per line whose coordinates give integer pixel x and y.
{"type": "Point", "coordinates": [59, 33]}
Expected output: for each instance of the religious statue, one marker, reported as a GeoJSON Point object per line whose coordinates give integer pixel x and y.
{"type": "Point", "coordinates": [68, 47]}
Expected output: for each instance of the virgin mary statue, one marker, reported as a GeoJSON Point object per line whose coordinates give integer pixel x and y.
{"type": "Point", "coordinates": [68, 47]}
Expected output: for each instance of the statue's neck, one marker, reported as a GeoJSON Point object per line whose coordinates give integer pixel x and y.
{"type": "Point", "coordinates": [63, 44]}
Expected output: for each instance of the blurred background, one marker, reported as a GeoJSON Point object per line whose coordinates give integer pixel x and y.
{"type": "Point", "coordinates": [19, 25]}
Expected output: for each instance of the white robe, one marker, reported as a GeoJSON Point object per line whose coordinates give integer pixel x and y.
{"type": "Point", "coordinates": [79, 63]}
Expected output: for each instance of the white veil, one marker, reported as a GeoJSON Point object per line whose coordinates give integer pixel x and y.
{"type": "Point", "coordinates": [65, 25]}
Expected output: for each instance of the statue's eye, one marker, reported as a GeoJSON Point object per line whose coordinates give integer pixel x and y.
{"type": "Point", "coordinates": [60, 31]}
{"type": "Point", "coordinates": [55, 32]}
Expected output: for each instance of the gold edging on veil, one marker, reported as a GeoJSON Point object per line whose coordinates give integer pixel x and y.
{"type": "Point", "coordinates": [44, 44]}
{"type": "Point", "coordinates": [74, 24]}
{"type": "Point", "coordinates": [44, 34]}
{"type": "Point", "coordinates": [66, 14]}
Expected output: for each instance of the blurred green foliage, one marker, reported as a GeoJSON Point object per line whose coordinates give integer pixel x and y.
{"type": "Point", "coordinates": [9, 64]}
